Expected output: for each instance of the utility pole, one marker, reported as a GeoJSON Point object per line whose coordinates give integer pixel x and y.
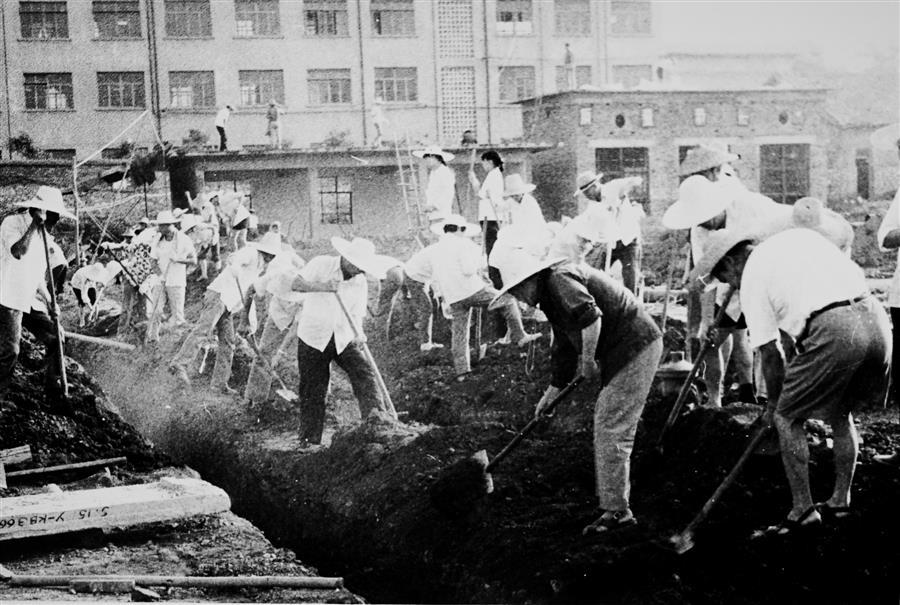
{"type": "Point", "coordinates": [153, 60]}
{"type": "Point", "coordinates": [4, 49]}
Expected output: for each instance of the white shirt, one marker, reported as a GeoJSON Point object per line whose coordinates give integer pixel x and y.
{"type": "Point", "coordinates": [419, 266]}
{"type": "Point", "coordinates": [789, 276]}
{"type": "Point", "coordinates": [209, 216]}
{"type": "Point", "coordinates": [322, 316]}
{"type": "Point", "coordinates": [222, 117]}
{"type": "Point", "coordinates": [278, 280]}
{"type": "Point", "coordinates": [455, 263]}
{"type": "Point", "coordinates": [147, 236]}
{"type": "Point", "coordinates": [440, 192]}
{"type": "Point", "coordinates": [244, 268]}
{"type": "Point", "coordinates": [20, 279]}
{"type": "Point", "coordinates": [890, 222]}
{"type": "Point", "coordinates": [491, 205]}
{"type": "Point", "coordinates": [166, 252]}
{"type": "Point", "coordinates": [526, 213]}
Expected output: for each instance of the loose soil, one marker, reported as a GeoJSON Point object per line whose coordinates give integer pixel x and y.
{"type": "Point", "coordinates": [359, 505]}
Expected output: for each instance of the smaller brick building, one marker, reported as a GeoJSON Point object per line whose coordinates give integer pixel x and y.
{"type": "Point", "coordinates": [787, 140]}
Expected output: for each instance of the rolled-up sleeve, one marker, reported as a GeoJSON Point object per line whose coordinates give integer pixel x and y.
{"type": "Point", "coordinates": [762, 323]}
{"type": "Point", "coordinates": [571, 299]}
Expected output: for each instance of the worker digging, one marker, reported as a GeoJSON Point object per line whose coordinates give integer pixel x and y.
{"type": "Point", "coordinates": [542, 368]}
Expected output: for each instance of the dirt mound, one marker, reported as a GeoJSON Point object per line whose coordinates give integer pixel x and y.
{"type": "Point", "coordinates": [60, 431]}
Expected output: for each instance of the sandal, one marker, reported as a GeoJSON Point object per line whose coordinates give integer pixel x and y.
{"type": "Point", "coordinates": [832, 513]}
{"type": "Point", "coordinates": [793, 526]}
{"type": "Point", "coordinates": [610, 521]}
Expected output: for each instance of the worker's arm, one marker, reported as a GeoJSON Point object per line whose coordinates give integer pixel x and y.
{"type": "Point", "coordinates": [302, 285]}
{"type": "Point", "coordinates": [590, 336]}
{"type": "Point", "coordinates": [21, 246]}
{"type": "Point", "coordinates": [773, 372]}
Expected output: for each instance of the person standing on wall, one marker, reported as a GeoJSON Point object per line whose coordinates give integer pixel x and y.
{"type": "Point", "coordinates": [491, 204]}
{"type": "Point", "coordinates": [221, 121]}
{"type": "Point", "coordinates": [273, 124]}
{"type": "Point", "coordinates": [441, 189]}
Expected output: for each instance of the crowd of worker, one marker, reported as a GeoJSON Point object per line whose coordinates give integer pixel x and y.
{"type": "Point", "coordinates": [775, 288]}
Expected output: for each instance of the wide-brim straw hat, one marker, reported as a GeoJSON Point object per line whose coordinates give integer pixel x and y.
{"type": "Point", "coordinates": [699, 200]}
{"type": "Point", "coordinates": [241, 213]}
{"type": "Point", "coordinates": [470, 229]}
{"type": "Point", "coordinates": [166, 217]}
{"type": "Point", "coordinates": [517, 267]}
{"type": "Point", "coordinates": [719, 243]}
{"type": "Point", "coordinates": [433, 150]}
{"type": "Point", "coordinates": [514, 184]}
{"type": "Point", "coordinates": [270, 243]}
{"type": "Point", "coordinates": [360, 252]}
{"type": "Point", "coordinates": [704, 157]}
{"type": "Point", "coordinates": [585, 179]}
{"type": "Point", "coordinates": [49, 199]}
{"type": "Point", "coordinates": [188, 222]}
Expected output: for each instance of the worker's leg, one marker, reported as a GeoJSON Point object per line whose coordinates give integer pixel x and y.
{"type": "Point", "coordinates": [10, 337]}
{"type": "Point", "coordinates": [158, 298]}
{"type": "Point", "coordinates": [422, 308]}
{"type": "Point", "coordinates": [716, 362]}
{"type": "Point", "coordinates": [895, 363]}
{"type": "Point", "coordinates": [361, 372]}
{"type": "Point", "coordinates": [795, 456]}
{"type": "Point", "coordinates": [259, 382]}
{"type": "Point", "coordinates": [846, 451]}
{"type": "Point", "coordinates": [616, 416]}
{"type": "Point", "coordinates": [42, 327]}
{"type": "Point", "coordinates": [175, 294]}
{"type": "Point", "coordinates": [213, 309]}
{"type": "Point", "coordinates": [742, 362]}
{"type": "Point", "coordinates": [630, 257]}
{"type": "Point", "coordinates": [459, 342]}
{"type": "Point", "coordinates": [510, 311]}
{"type": "Point", "coordinates": [223, 141]}
{"type": "Point", "coordinates": [388, 287]}
{"type": "Point", "coordinates": [315, 374]}
{"type": "Point", "coordinates": [224, 353]}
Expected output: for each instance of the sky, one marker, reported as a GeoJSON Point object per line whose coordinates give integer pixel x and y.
{"type": "Point", "coordinates": [843, 31]}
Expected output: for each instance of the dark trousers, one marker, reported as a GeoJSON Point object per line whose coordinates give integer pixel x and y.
{"type": "Point", "coordinates": [489, 230]}
{"type": "Point", "coordinates": [223, 140]}
{"type": "Point", "coordinates": [315, 374]}
{"type": "Point", "coordinates": [629, 256]}
{"type": "Point", "coordinates": [895, 356]}
{"type": "Point", "coordinates": [41, 326]}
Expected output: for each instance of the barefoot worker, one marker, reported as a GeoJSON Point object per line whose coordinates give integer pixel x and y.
{"type": "Point", "coordinates": [799, 283]}
{"type": "Point", "coordinates": [595, 317]}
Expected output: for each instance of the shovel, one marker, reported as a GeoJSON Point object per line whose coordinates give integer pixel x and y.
{"type": "Point", "coordinates": [684, 541]}
{"type": "Point", "coordinates": [482, 346]}
{"type": "Point", "coordinates": [54, 313]}
{"type": "Point", "coordinates": [708, 345]}
{"type": "Point", "coordinates": [283, 392]}
{"type": "Point", "coordinates": [466, 481]}
{"type": "Point", "coordinates": [357, 333]}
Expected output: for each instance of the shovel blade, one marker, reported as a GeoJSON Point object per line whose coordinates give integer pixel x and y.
{"type": "Point", "coordinates": [681, 543]}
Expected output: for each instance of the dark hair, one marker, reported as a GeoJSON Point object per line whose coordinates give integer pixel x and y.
{"type": "Point", "coordinates": [736, 249]}
{"type": "Point", "coordinates": [494, 158]}
{"type": "Point", "coordinates": [439, 158]}
{"type": "Point", "coordinates": [453, 228]}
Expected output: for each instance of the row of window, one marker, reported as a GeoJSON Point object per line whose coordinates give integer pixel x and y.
{"type": "Point", "coordinates": [121, 19]}
{"type": "Point", "coordinates": [196, 89]}
{"type": "Point", "coordinates": [783, 169]}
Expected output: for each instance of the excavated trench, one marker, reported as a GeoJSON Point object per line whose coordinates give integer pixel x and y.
{"type": "Point", "coordinates": [360, 508]}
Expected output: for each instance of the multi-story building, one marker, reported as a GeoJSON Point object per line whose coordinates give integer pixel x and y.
{"type": "Point", "coordinates": [76, 73]}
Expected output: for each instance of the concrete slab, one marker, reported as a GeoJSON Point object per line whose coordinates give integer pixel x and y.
{"type": "Point", "coordinates": [165, 500]}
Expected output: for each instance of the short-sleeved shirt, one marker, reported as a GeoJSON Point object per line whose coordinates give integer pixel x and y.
{"type": "Point", "coordinates": [890, 222]}
{"type": "Point", "coordinates": [419, 266]}
{"type": "Point", "coordinates": [455, 262]}
{"type": "Point", "coordinates": [491, 204]}
{"type": "Point", "coordinates": [233, 283]}
{"type": "Point", "coordinates": [166, 251]}
{"type": "Point", "coordinates": [789, 276]}
{"type": "Point", "coordinates": [20, 278]}
{"type": "Point", "coordinates": [440, 192]}
{"type": "Point", "coordinates": [526, 213]}
{"type": "Point", "coordinates": [322, 316]}
{"type": "Point", "coordinates": [573, 296]}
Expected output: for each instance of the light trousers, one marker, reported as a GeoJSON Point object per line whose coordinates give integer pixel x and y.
{"type": "Point", "coordinates": [459, 327]}
{"type": "Point", "coordinates": [214, 316]}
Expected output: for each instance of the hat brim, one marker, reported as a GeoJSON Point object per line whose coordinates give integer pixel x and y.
{"type": "Point", "coordinates": [42, 205]}
{"type": "Point", "coordinates": [538, 267]}
{"type": "Point", "coordinates": [711, 257]}
{"type": "Point", "coordinates": [690, 168]}
{"type": "Point", "coordinates": [369, 265]}
{"type": "Point", "coordinates": [528, 188]}
{"type": "Point", "coordinates": [421, 153]}
{"type": "Point", "coordinates": [684, 215]}
{"type": "Point", "coordinates": [594, 181]}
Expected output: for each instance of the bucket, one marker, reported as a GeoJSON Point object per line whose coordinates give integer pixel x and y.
{"type": "Point", "coordinates": [671, 375]}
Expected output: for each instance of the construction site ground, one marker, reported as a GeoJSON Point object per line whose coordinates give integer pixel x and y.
{"type": "Point", "coordinates": [358, 506]}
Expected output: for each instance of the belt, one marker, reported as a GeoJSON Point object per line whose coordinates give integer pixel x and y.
{"type": "Point", "coordinates": [836, 305]}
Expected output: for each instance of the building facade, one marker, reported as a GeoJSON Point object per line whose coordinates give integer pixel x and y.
{"type": "Point", "coordinates": [77, 73]}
